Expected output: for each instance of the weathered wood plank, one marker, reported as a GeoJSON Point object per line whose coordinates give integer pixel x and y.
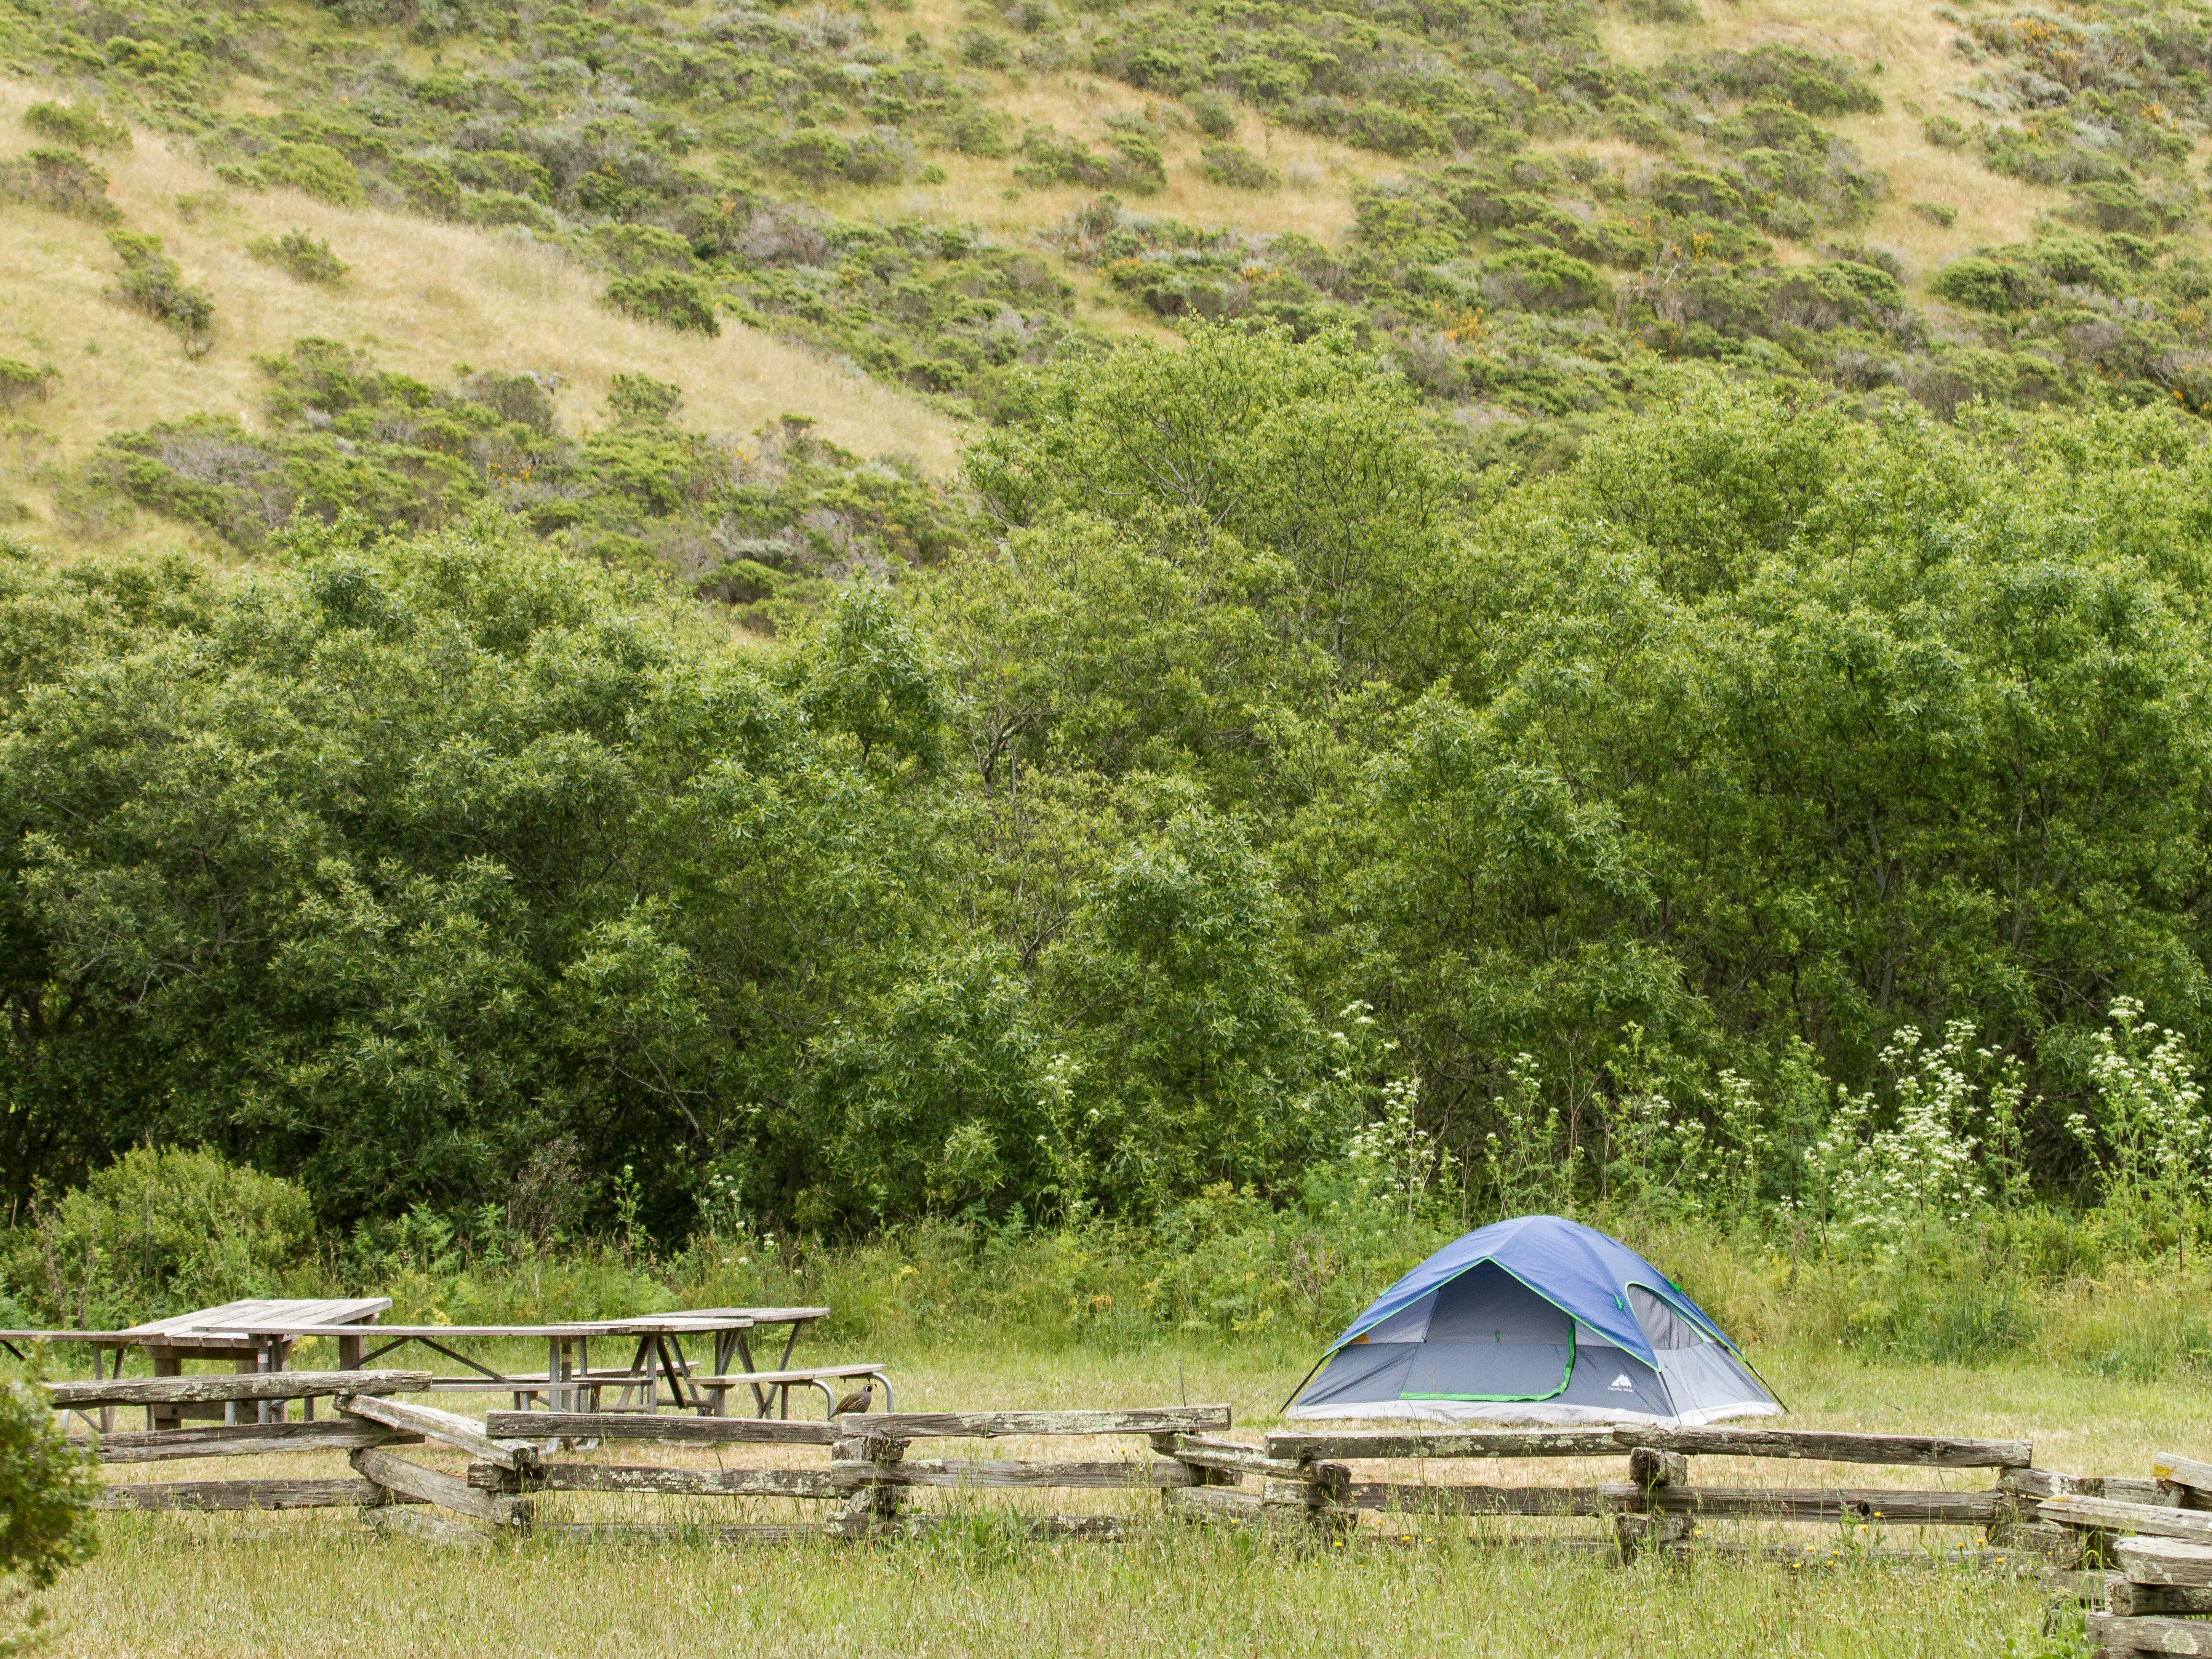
{"type": "Point", "coordinates": [338, 1492]}
{"type": "Point", "coordinates": [675, 1430]}
{"type": "Point", "coordinates": [447, 1490]}
{"type": "Point", "coordinates": [232, 1385]}
{"type": "Point", "coordinates": [2135, 1601]}
{"type": "Point", "coordinates": [2165, 1560]}
{"type": "Point", "coordinates": [1298, 1446]}
{"type": "Point", "coordinates": [1216, 1503]}
{"type": "Point", "coordinates": [465, 1433]}
{"type": "Point", "coordinates": [1406, 1499]}
{"type": "Point", "coordinates": [1867, 1503]}
{"type": "Point", "coordinates": [690, 1483]}
{"type": "Point", "coordinates": [2191, 1476]}
{"type": "Point", "coordinates": [1650, 1466]}
{"type": "Point", "coordinates": [1235, 1458]}
{"type": "Point", "coordinates": [242, 1440]}
{"type": "Point", "coordinates": [2119, 1488]}
{"type": "Point", "coordinates": [2133, 1489]}
{"type": "Point", "coordinates": [1005, 1472]}
{"type": "Point", "coordinates": [1824, 1446]}
{"type": "Point", "coordinates": [986, 1425]}
{"type": "Point", "coordinates": [2103, 1515]}
{"type": "Point", "coordinates": [2046, 1483]}
{"type": "Point", "coordinates": [2116, 1634]}
{"type": "Point", "coordinates": [1817, 1445]}
{"type": "Point", "coordinates": [1617, 1497]}
{"type": "Point", "coordinates": [676, 1531]}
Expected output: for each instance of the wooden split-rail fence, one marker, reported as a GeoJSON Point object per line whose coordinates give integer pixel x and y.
{"type": "Point", "coordinates": [1305, 1479]}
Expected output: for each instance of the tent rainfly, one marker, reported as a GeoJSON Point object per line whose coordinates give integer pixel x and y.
{"type": "Point", "coordinates": [1535, 1320]}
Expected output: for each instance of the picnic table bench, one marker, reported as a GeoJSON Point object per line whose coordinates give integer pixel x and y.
{"type": "Point", "coordinates": [767, 1385]}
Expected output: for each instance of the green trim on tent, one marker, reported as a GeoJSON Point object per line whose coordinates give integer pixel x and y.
{"type": "Point", "coordinates": [1566, 1375]}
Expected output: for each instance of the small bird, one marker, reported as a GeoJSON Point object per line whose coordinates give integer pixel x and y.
{"type": "Point", "coordinates": [858, 1400]}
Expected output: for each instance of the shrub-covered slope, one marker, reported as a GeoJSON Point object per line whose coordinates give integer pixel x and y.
{"type": "Point", "coordinates": [1527, 205]}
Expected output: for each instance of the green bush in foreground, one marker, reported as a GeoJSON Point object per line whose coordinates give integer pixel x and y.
{"type": "Point", "coordinates": [46, 1492]}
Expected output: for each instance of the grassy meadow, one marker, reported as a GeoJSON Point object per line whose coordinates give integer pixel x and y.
{"type": "Point", "coordinates": [318, 1583]}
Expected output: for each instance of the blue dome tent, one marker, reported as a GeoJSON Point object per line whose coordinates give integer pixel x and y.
{"type": "Point", "coordinates": [1535, 1320]}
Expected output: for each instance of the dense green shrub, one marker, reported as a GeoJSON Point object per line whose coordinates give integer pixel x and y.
{"type": "Point", "coordinates": [21, 381]}
{"type": "Point", "coordinates": [1215, 117]}
{"type": "Point", "coordinates": [1131, 163]}
{"type": "Point", "coordinates": [1983, 284]}
{"type": "Point", "coordinates": [306, 256]}
{"type": "Point", "coordinates": [86, 125]}
{"type": "Point", "coordinates": [642, 398]}
{"type": "Point", "coordinates": [1236, 167]}
{"type": "Point", "coordinates": [316, 168]}
{"type": "Point", "coordinates": [159, 1233]}
{"type": "Point", "coordinates": [155, 283]}
{"type": "Point", "coordinates": [1542, 279]}
{"type": "Point", "coordinates": [57, 178]}
{"type": "Point", "coordinates": [669, 298]}
{"type": "Point", "coordinates": [47, 1491]}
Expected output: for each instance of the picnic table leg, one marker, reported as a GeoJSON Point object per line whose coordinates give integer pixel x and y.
{"type": "Point", "coordinates": [163, 1417]}
{"type": "Point", "coordinates": [107, 1413]}
{"type": "Point", "coordinates": [230, 1407]}
{"type": "Point", "coordinates": [284, 1346]}
{"type": "Point", "coordinates": [762, 1398]}
{"type": "Point", "coordinates": [784, 1364]}
{"type": "Point", "coordinates": [683, 1369]}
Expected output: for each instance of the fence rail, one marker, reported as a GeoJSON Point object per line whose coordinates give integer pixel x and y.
{"type": "Point", "coordinates": [2157, 1529]}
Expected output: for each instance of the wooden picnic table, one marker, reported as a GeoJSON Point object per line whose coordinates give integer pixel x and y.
{"type": "Point", "coordinates": [570, 1375]}
{"type": "Point", "coordinates": [259, 1336]}
{"type": "Point", "coordinates": [222, 1333]}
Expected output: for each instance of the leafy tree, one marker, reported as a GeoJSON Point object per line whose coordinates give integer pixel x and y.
{"type": "Point", "coordinates": [1196, 1060]}
{"type": "Point", "coordinates": [380, 866]}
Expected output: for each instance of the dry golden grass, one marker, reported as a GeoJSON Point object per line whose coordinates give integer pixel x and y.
{"type": "Point", "coordinates": [422, 296]}
{"type": "Point", "coordinates": [1919, 73]}
{"type": "Point", "coordinates": [1314, 199]}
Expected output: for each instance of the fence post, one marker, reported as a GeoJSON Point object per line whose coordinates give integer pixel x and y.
{"type": "Point", "coordinates": [874, 1506]}
{"type": "Point", "coordinates": [1653, 1471]}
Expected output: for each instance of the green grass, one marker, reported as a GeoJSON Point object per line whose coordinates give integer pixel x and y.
{"type": "Point", "coordinates": [1168, 1591]}
{"type": "Point", "coordinates": [315, 1583]}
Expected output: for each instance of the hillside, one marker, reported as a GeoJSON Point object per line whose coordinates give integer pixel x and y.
{"type": "Point", "coordinates": [874, 218]}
